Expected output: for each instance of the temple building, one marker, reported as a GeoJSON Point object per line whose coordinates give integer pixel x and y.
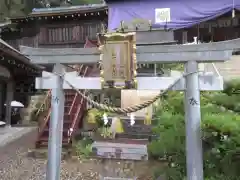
{"type": "Point", "coordinates": [17, 76]}
{"type": "Point", "coordinates": [57, 27]}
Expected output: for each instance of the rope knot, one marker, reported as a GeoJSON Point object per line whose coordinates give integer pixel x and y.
{"type": "Point", "coordinates": [62, 75]}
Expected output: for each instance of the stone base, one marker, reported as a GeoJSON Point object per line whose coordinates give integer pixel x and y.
{"type": "Point", "coordinates": [43, 153]}
{"type": "Point", "coordinates": [116, 178]}
{"type": "Point", "coordinates": [122, 151]}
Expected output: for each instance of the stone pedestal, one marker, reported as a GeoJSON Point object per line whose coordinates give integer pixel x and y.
{"type": "Point", "coordinates": [123, 151]}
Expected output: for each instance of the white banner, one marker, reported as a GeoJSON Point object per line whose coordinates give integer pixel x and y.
{"type": "Point", "coordinates": [162, 15]}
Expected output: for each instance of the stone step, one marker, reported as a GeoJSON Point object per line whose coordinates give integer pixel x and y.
{"type": "Point", "coordinates": [148, 137]}
{"type": "Point", "coordinates": [110, 150]}
{"type": "Point", "coordinates": [138, 128]}
{"type": "Point", "coordinates": [42, 153]}
{"type": "Point", "coordinates": [116, 178]}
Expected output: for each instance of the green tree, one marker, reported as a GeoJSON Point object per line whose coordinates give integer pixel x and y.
{"type": "Point", "coordinates": [10, 8]}
{"type": "Point", "coordinates": [221, 134]}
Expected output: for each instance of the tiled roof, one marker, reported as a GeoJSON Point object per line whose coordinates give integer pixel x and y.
{"type": "Point", "coordinates": [17, 54]}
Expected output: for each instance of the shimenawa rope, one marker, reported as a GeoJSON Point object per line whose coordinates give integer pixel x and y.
{"type": "Point", "coordinates": [127, 109]}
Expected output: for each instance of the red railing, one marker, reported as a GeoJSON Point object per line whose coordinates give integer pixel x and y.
{"type": "Point", "coordinates": [44, 102]}
{"type": "Point", "coordinates": [87, 44]}
{"type": "Point", "coordinates": [76, 119]}
{"type": "Point", "coordinates": [80, 106]}
{"type": "Point", "coordinates": [76, 94]}
{"type": "Point", "coordinates": [47, 118]}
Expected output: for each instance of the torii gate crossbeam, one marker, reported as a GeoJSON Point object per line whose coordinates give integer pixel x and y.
{"type": "Point", "coordinates": [209, 52]}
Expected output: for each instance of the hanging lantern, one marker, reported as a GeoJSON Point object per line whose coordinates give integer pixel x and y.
{"type": "Point", "coordinates": [148, 119]}
{"type": "Point", "coordinates": [91, 119]}
{"type": "Point", "coordinates": [116, 125]}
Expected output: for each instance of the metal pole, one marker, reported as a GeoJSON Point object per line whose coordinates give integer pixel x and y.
{"type": "Point", "coordinates": [55, 130]}
{"type": "Point", "coordinates": [193, 123]}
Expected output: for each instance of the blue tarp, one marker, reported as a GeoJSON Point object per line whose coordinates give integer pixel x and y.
{"type": "Point", "coordinates": [183, 13]}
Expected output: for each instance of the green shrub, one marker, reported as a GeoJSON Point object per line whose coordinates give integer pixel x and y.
{"type": "Point", "coordinates": [230, 102]}
{"type": "Point", "coordinates": [83, 148]}
{"type": "Point", "coordinates": [98, 116]}
{"type": "Point", "coordinates": [221, 135]}
{"type": "Point", "coordinates": [232, 87]}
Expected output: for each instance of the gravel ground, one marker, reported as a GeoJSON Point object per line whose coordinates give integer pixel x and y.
{"type": "Point", "coordinates": [15, 164]}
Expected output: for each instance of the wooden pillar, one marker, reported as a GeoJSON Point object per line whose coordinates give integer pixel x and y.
{"type": "Point", "coordinates": [9, 99]}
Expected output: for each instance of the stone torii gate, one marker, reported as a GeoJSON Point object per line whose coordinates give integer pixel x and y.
{"type": "Point", "coordinates": [191, 84]}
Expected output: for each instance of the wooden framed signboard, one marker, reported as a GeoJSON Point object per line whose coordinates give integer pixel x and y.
{"type": "Point", "coordinates": [118, 60]}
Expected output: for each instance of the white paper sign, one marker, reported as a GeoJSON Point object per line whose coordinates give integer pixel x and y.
{"type": "Point", "coordinates": [162, 15]}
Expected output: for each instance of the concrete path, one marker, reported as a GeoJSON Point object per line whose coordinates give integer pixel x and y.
{"type": "Point", "coordinates": [9, 134]}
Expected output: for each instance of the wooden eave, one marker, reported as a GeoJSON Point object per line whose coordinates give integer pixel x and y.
{"type": "Point", "coordinates": [96, 10]}
{"type": "Point", "coordinates": [8, 50]}
{"type": "Point", "coordinates": [73, 13]}
{"type": "Point", "coordinates": [5, 24]}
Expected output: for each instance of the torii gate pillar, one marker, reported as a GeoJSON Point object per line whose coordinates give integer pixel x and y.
{"type": "Point", "coordinates": [194, 150]}
{"type": "Point", "coordinates": [56, 125]}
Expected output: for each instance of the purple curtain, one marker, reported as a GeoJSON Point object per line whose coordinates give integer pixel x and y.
{"type": "Point", "coordinates": [183, 13]}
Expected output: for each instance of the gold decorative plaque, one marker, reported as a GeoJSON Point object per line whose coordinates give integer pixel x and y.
{"type": "Point", "coordinates": [118, 60]}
